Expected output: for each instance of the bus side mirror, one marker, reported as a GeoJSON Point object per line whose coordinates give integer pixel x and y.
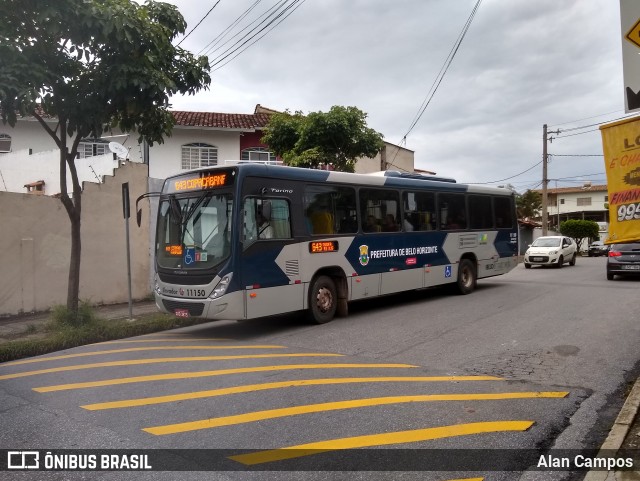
{"type": "Point", "coordinates": [139, 217]}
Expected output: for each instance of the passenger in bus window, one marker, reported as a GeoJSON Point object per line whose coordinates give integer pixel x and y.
{"type": "Point", "coordinates": [265, 231]}
{"type": "Point", "coordinates": [322, 220]}
{"type": "Point", "coordinates": [457, 221]}
{"type": "Point", "coordinates": [408, 226]}
{"type": "Point", "coordinates": [371, 225]}
{"type": "Point", "coordinates": [389, 224]}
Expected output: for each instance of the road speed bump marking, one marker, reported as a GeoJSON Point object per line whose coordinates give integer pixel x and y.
{"type": "Point", "coordinates": [399, 437]}
{"type": "Point", "coordinates": [220, 372]}
{"type": "Point", "coordinates": [127, 403]}
{"type": "Point", "coordinates": [135, 362]}
{"type": "Point", "coordinates": [339, 405]}
{"type": "Point", "coordinates": [136, 349]}
{"type": "Point", "coordinates": [161, 339]}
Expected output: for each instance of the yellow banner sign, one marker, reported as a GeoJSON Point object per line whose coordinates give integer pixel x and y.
{"type": "Point", "coordinates": [621, 145]}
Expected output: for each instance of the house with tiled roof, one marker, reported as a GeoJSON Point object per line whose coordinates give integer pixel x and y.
{"type": "Point", "coordinates": [199, 139]}
{"type": "Point", "coordinates": [584, 202]}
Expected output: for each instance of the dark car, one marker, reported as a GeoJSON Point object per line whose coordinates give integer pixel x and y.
{"type": "Point", "coordinates": [624, 259]}
{"type": "Point", "coordinates": [597, 248]}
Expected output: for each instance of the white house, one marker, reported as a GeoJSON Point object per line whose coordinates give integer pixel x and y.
{"type": "Point", "coordinates": [586, 202]}
{"type": "Point", "coordinates": [199, 139]}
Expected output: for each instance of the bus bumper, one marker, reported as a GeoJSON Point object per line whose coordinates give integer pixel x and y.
{"type": "Point", "coordinates": [230, 306]}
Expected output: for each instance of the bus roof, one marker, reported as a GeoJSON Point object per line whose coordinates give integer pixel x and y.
{"type": "Point", "coordinates": [378, 179]}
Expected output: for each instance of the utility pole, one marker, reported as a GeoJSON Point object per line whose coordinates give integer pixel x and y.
{"type": "Point", "coordinates": [545, 180]}
{"type": "Point", "coordinates": [545, 213]}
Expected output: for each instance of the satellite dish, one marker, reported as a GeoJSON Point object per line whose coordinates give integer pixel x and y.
{"type": "Point", "coordinates": [119, 149]}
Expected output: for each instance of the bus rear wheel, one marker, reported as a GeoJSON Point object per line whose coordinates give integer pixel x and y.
{"type": "Point", "coordinates": [323, 300]}
{"type": "Point", "coordinates": [467, 277]}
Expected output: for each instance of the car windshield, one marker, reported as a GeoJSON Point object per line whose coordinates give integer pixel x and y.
{"type": "Point", "coordinates": [546, 242]}
{"type": "Point", "coordinates": [597, 243]}
{"type": "Point", "coordinates": [194, 232]}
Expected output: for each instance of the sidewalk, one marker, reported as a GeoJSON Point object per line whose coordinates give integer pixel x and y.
{"type": "Point", "coordinates": [625, 432]}
{"type": "Point", "coordinates": [12, 326]}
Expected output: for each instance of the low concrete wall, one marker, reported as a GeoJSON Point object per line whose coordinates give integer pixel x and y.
{"type": "Point", "coordinates": [36, 246]}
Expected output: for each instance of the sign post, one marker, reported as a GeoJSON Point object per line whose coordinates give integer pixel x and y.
{"type": "Point", "coordinates": [126, 213]}
{"type": "Point", "coordinates": [630, 25]}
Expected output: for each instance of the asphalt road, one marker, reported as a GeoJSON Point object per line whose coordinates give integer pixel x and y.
{"type": "Point", "coordinates": [538, 357]}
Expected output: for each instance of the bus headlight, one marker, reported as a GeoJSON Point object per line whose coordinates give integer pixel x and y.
{"type": "Point", "coordinates": [157, 286]}
{"type": "Point", "coordinates": [222, 286]}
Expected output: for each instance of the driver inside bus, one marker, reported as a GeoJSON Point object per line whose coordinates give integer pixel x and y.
{"type": "Point", "coordinates": [265, 231]}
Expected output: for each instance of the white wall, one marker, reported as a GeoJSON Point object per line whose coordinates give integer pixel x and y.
{"type": "Point", "coordinates": [165, 159]}
{"type": "Point", "coordinates": [20, 168]}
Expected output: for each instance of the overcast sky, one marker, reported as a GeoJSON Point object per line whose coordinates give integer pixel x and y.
{"type": "Point", "coordinates": [522, 64]}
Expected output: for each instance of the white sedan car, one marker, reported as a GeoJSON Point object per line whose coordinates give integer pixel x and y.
{"type": "Point", "coordinates": [551, 251]}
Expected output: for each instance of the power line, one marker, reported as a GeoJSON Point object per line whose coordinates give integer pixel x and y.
{"type": "Point", "coordinates": [575, 155]}
{"type": "Point", "coordinates": [443, 70]}
{"type": "Point", "coordinates": [572, 135]}
{"type": "Point", "coordinates": [438, 80]}
{"type": "Point", "coordinates": [507, 178]}
{"type": "Point", "coordinates": [221, 35]}
{"type": "Point", "coordinates": [266, 14]}
{"type": "Point", "coordinates": [586, 118]}
{"type": "Point", "coordinates": [198, 24]}
{"type": "Point", "coordinates": [294, 6]}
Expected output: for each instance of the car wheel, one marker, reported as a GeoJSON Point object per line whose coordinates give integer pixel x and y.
{"type": "Point", "coordinates": [467, 278]}
{"type": "Point", "coordinates": [560, 262]}
{"type": "Point", "coordinates": [323, 300]}
{"type": "Point", "coordinates": [610, 276]}
{"type": "Point", "coordinates": [572, 262]}
{"type": "Point", "coordinates": [527, 266]}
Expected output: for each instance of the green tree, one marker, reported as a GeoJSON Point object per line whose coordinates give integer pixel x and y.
{"type": "Point", "coordinates": [579, 230]}
{"type": "Point", "coordinates": [93, 65]}
{"type": "Point", "coordinates": [339, 137]}
{"type": "Point", "coordinates": [529, 204]}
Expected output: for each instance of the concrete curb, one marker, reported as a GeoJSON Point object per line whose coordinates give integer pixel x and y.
{"type": "Point", "coordinates": [617, 435]}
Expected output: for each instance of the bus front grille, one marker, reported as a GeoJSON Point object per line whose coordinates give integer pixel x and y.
{"type": "Point", "coordinates": [194, 309]}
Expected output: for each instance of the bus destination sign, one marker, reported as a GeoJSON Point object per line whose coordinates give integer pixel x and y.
{"type": "Point", "coordinates": [323, 246]}
{"type": "Point", "coordinates": [201, 181]}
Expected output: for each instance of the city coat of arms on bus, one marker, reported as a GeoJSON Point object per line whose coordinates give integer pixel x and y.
{"type": "Point", "coordinates": [364, 255]}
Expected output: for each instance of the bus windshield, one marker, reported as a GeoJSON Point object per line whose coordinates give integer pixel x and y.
{"type": "Point", "coordinates": [194, 232]}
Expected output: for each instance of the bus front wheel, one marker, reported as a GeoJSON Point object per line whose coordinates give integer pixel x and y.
{"type": "Point", "coordinates": [466, 276]}
{"type": "Point", "coordinates": [323, 300]}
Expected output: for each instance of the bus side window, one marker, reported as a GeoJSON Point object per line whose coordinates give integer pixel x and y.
{"type": "Point", "coordinates": [503, 212]}
{"type": "Point", "coordinates": [452, 211]}
{"type": "Point", "coordinates": [330, 210]}
{"type": "Point", "coordinates": [420, 210]}
{"type": "Point", "coordinates": [256, 228]}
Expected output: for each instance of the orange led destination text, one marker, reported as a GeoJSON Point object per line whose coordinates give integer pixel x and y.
{"type": "Point", "coordinates": [206, 182]}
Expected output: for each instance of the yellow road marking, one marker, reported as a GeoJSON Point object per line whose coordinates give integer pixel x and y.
{"type": "Point", "coordinates": [467, 479]}
{"type": "Point", "coordinates": [135, 362]}
{"type": "Point", "coordinates": [220, 372]}
{"type": "Point", "coordinates": [339, 405]}
{"type": "Point", "coordinates": [399, 437]}
{"type": "Point", "coordinates": [162, 340]}
{"type": "Point", "coordinates": [275, 385]}
{"type": "Point", "coordinates": [136, 349]}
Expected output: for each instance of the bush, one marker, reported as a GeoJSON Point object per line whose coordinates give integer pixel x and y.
{"type": "Point", "coordinates": [62, 317]}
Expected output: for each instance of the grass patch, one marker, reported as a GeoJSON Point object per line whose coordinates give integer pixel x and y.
{"type": "Point", "coordinates": [62, 334]}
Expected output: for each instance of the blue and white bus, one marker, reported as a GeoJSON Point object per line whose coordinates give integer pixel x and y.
{"type": "Point", "coordinates": [257, 240]}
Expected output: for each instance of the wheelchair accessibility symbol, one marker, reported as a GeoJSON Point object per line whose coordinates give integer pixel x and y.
{"type": "Point", "coordinates": [189, 256]}
{"type": "Point", "coordinates": [447, 271]}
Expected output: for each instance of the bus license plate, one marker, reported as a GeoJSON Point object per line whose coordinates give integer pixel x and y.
{"type": "Point", "coordinates": [632, 268]}
{"type": "Point", "coordinates": [182, 312]}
